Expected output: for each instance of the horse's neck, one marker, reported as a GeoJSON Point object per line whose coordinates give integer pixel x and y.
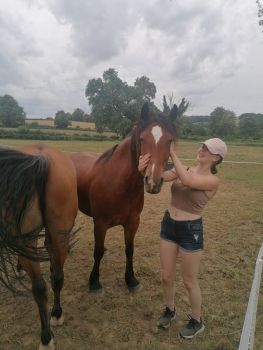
{"type": "Point", "coordinates": [124, 152]}
{"type": "Point", "coordinates": [124, 161]}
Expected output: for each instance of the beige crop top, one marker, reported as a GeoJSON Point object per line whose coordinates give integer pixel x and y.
{"type": "Point", "coordinates": [188, 199]}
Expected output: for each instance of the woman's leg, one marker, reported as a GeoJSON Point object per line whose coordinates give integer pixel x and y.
{"type": "Point", "coordinates": [190, 263]}
{"type": "Point", "coordinates": [168, 255]}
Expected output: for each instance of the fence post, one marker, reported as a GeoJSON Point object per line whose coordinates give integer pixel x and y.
{"type": "Point", "coordinates": [248, 331]}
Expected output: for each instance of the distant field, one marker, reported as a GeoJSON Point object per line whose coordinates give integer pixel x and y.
{"type": "Point", "coordinates": [119, 320]}
{"type": "Point", "coordinates": [74, 124]}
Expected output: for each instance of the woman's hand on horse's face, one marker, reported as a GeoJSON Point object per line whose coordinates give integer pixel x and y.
{"type": "Point", "coordinates": [143, 162]}
{"type": "Point", "coordinates": [172, 148]}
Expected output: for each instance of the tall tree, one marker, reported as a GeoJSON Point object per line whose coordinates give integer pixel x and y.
{"type": "Point", "coordinates": [112, 100]}
{"type": "Point", "coordinates": [251, 125]}
{"type": "Point", "coordinates": [78, 115]}
{"type": "Point", "coordinates": [11, 114]}
{"type": "Point", "coordinates": [260, 11]}
{"type": "Point", "coordinates": [62, 120]}
{"type": "Point", "coordinates": [222, 122]}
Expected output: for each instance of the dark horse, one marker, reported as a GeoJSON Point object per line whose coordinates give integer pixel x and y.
{"type": "Point", "coordinates": [111, 189]}
{"type": "Point", "coordinates": [38, 189]}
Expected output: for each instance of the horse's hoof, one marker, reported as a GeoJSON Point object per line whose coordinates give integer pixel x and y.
{"type": "Point", "coordinates": [54, 322]}
{"type": "Point", "coordinates": [96, 291]}
{"type": "Point", "coordinates": [49, 346]}
{"type": "Point", "coordinates": [95, 287]}
{"type": "Point", "coordinates": [20, 274]}
{"type": "Point", "coordinates": [136, 289]}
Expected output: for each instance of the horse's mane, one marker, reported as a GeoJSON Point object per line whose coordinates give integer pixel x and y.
{"type": "Point", "coordinates": [107, 154]}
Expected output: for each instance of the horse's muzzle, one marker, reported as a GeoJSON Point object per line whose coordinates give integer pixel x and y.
{"type": "Point", "coordinates": [152, 186]}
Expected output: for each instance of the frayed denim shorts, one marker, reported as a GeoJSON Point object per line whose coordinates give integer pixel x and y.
{"type": "Point", "coordinates": [187, 234]}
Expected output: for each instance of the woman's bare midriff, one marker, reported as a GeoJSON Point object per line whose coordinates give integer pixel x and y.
{"type": "Point", "coordinates": [181, 215]}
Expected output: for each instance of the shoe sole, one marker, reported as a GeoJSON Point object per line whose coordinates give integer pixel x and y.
{"type": "Point", "coordinates": [168, 325]}
{"type": "Point", "coordinates": [192, 336]}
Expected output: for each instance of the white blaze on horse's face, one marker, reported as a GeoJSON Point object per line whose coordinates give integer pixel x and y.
{"type": "Point", "coordinates": [157, 134]}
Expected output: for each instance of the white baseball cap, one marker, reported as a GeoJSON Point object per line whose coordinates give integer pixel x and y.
{"type": "Point", "coordinates": [216, 146]}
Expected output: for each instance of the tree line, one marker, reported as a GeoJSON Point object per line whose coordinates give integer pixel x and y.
{"type": "Point", "coordinates": [115, 106]}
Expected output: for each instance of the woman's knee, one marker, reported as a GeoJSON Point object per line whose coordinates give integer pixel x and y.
{"type": "Point", "coordinates": [167, 277]}
{"type": "Point", "coordinates": [190, 283]}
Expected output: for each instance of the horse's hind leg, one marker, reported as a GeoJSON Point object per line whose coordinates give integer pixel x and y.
{"type": "Point", "coordinates": [20, 272]}
{"type": "Point", "coordinates": [130, 230]}
{"type": "Point", "coordinates": [99, 237]}
{"type": "Point", "coordinates": [39, 291]}
{"type": "Point", "coordinates": [58, 249]}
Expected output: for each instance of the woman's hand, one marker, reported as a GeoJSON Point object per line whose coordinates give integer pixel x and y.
{"type": "Point", "coordinates": [143, 162]}
{"type": "Point", "coordinates": [172, 149]}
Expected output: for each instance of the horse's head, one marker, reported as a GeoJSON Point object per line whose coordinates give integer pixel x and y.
{"type": "Point", "coordinates": [155, 132]}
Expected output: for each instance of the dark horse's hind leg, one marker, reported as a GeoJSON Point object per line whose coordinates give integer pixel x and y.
{"type": "Point", "coordinates": [20, 272]}
{"type": "Point", "coordinates": [58, 249]}
{"type": "Point", "coordinates": [39, 291]}
{"type": "Point", "coordinates": [130, 230]}
{"type": "Point", "coordinates": [99, 237]}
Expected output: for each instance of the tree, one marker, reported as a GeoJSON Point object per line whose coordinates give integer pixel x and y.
{"type": "Point", "coordinates": [222, 122]}
{"type": "Point", "coordinates": [111, 98]}
{"type": "Point", "coordinates": [78, 115]}
{"type": "Point", "coordinates": [11, 114]}
{"type": "Point", "coordinates": [62, 120]}
{"type": "Point", "coordinates": [260, 11]}
{"type": "Point", "coordinates": [251, 125]}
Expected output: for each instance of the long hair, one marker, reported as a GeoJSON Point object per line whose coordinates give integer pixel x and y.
{"type": "Point", "coordinates": [22, 178]}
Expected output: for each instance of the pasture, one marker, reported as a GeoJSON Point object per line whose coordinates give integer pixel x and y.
{"type": "Point", "coordinates": [118, 319]}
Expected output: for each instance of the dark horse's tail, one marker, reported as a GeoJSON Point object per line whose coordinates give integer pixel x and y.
{"type": "Point", "coordinates": [22, 177]}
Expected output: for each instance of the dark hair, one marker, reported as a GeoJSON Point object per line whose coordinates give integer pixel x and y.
{"type": "Point", "coordinates": [214, 164]}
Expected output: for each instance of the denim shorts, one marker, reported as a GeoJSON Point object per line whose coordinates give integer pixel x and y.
{"type": "Point", "coordinates": [187, 234]}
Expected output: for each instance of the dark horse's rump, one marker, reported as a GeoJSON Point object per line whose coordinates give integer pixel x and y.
{"type": "Point", "coordinates": [37, 190]}
{"type": "Point", "coordinates": [111, 189]}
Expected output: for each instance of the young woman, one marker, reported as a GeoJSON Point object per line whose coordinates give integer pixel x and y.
{"type": "Point", "coordinates": [182, 229]}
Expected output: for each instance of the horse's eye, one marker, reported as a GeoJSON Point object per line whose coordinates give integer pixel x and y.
{"type": "Point", "coordinates": [170, 141]}
{"type": "Point", "coordinates": [141, 140]}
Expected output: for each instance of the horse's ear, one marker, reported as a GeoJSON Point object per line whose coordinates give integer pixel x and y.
{"type": "Point", "coordinates": [145, 112]}
{"type": "Point", "coordinates": [173, 113]}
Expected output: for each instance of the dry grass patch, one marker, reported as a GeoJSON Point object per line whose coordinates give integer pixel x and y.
{"type": "Point", "coordinates": [121, 320]}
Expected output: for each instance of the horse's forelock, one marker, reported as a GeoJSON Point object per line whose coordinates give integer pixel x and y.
{"type": "Point", "coordinates": [161, 120]}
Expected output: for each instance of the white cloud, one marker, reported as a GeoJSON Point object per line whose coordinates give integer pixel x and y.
{"type": "Point", "coordinates": [206, 50]}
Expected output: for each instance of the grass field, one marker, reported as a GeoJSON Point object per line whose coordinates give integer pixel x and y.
{"type": "Point", "coordinates": [119, 320]}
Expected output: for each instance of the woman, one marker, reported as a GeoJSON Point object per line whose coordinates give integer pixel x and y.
{"type": "Point", "coordinates": [182, 230]}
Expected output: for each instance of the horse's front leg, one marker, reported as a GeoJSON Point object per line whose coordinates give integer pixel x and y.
{"type": "Point", "coordinates": [130, 230]}
{"type": "Point", "coordinates": [99, 238]}
{"type": "Point", "coordinates": [39, 290]}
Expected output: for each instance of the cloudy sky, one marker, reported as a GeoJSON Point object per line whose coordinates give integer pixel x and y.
{"type": "Point", "coordinates": [210, 51]}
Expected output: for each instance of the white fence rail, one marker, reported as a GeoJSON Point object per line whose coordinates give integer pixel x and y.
{"type": "Point", "coordinates": [248, 331]}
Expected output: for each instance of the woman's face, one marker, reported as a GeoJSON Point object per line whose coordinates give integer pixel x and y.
{"type": "Point", "coordinates": [204, 156]}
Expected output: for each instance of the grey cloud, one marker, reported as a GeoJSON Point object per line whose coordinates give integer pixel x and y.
{"type": "Point", "coordinates": [99, 29]}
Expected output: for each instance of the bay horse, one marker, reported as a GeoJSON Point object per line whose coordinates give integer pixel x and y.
{"type": "Point", "coordinates": [38, 190]}
{"type": "Point", "coordinates": [111, 189]}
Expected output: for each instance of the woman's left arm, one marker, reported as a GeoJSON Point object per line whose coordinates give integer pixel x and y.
{"type": "Point", "coordinates": [192, 180]}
